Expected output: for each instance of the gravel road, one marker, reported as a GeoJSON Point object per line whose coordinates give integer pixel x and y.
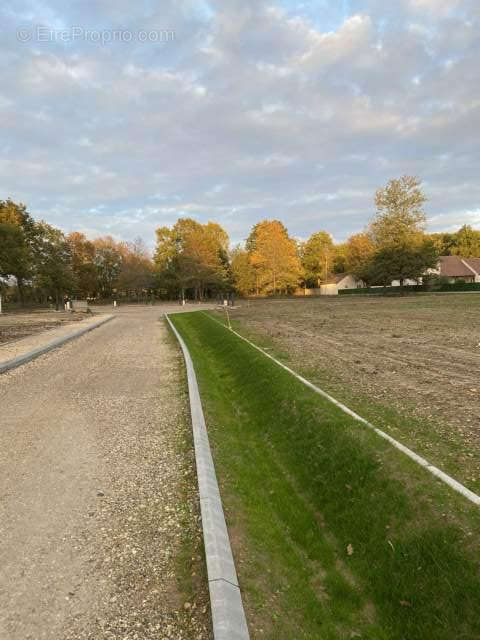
{"type": "Point", "coordinates": [99, 517]}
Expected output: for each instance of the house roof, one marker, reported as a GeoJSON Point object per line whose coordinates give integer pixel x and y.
{"type": "Point", "coordinates": [335, 278]}
{"type": "Point", "coordinates": [456, 267]}
{"type": "Point", "coordinates": [474, 263]}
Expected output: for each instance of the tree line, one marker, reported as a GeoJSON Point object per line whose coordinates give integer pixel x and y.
{"type": "Point", "coordinates": [195, 260]}
{"type": "Point", "coordinates": [48, 265]}
{"type": "Point", "coordinates": [393, 246]}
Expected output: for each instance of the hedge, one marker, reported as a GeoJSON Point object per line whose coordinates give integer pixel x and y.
{"type": "Point", "coordinates": [413, 288]}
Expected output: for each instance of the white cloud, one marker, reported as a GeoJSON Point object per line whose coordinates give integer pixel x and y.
{"type": "Point", "coordinates": [327, 48]}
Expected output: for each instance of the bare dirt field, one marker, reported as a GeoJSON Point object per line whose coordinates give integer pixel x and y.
{"type": "Point", "coordinates": [14, 326]}
{"type": "Point", "coordinates": [411, 363]}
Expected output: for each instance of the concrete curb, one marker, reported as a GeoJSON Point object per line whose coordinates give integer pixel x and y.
{"type": "Point", "coordinates": [441, 475]}
{"type": "Point", "coordinates": [228, 616]}
{"type": "Point", "coordinates": [7, 365]}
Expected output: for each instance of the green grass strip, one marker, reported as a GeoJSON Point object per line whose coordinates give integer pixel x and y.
{"type": "Point", "coordinates": [336, 534]}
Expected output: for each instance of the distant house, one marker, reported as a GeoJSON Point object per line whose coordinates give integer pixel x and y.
{"type": "Point", "coordinates": [338, 281]}
{"type": "Point", "coordinates": [332, 285]}
{"type": "Point", "coordinates": [456, 268]}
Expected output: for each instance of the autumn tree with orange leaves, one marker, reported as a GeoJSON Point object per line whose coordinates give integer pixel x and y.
{"type": "Point", "coordinates": [359, 250]}
{"type": "Point", "coordinates": [274, 256]}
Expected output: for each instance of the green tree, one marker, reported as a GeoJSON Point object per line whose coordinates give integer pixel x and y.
{"type": "Point", "coordinates": [21, 260]}
{"type": "Point", "coordinates": [401, 249]}
{"type": "Point", "coordinates": [108, 263]}
{"type": "Point", "coordinates": [14, 254]}
{"type": "Point", "coordinates": [83, 264]}
{"type": "Point", "coordinates": [401, 262]}
{"type": "Point", "coordinates": [192, 256]}
{"type": "Point", "coordinates": [166, 248]}
{"type": "Point", "coordinates": [400, 219]}
{"type": "Point", "coordinates": [53, 258]}
{"type": "Point", "coordinates": [317, 257]}
{"type": "Point", "coordinates": [339, 258]}
{"type": "Point", "coordinates": [165, 261]}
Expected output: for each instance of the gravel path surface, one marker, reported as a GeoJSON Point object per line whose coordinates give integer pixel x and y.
{"type": "Point", "coordinates": [99, 514]}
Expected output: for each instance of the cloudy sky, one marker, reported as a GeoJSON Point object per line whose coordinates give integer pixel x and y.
{"type": "Point", "coordinates": [118, 117]}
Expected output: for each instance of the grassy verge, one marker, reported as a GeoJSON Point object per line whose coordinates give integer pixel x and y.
{"type": "Point", "coordinates": [336, 534]}
{"type": "Point", "coordinates": [451, 454]}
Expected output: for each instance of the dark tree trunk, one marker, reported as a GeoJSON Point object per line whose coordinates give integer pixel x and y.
{"type": "Point", "coordinates": [21, 291]}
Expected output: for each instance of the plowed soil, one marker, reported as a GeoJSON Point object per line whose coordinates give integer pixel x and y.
{"type": "Point", "coordinates": [14, 326]}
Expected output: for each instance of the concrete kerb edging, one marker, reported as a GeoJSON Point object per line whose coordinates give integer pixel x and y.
{"type": "Point", "coordinates": [58, 342]}
{"type": "Point", "coordinates": [441, 475]}
{"type": "Point", "coordinates": [228, 616]}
